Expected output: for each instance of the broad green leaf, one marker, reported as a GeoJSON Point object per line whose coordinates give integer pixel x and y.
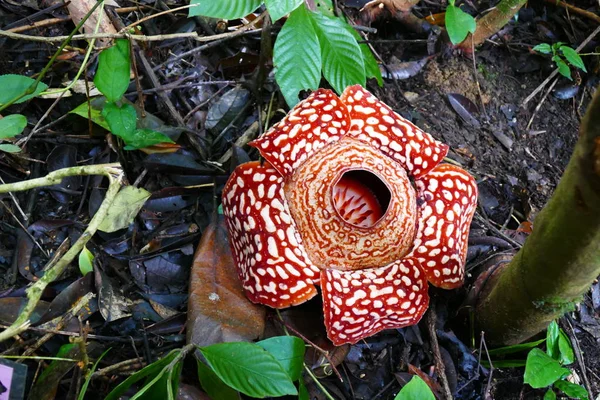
{"type": "Point", "coordinates": [542, 370]}
{"type": "Point", "coordinates": [289, 351]}
{"type": "Point", "coordinates": [112, 76]}
{"type": "Point", "coordinates": [342, 59]}
{"type": "Point", "coordinates": [95, 114]}
{"type": "Point", "coordinates": [572, 57]}
{"type": "Point", "coordinates": [149, 372]}
{"type": "Point", "coordinates": [12, 125]}
{"type": "Point", "coordinates": [280, 8]}
{"type": "Point", "coordinates": [213, 385]}
{"type": "Point", "coordinates": [88, 377]}
{"type": "Point", "coordinates": [552, 334]}
{"type": "Point", "coordinates": [249, 369]}
{"type": "Point", "coordinates": [297, 56]}
{"type": "Point", "coordinates": [458, 24]}
{"type": "Point", "coordinates": [550, 395]}
{"type": "Point", "coordinates": [141, 138]}
{"type": "Point", "coordinates": [121, 120]}
{"type": "Point", "coordinates": [567, 355]}
{"type": "Point", "coordinates": [86, 259]}
{"type": "Point", "coordinates": [163, 386]}
{"type": "Point", "coordinates": [543, 48]}
{"type": "Point", "coordinates": [128, 202]}
{"type": "Point", "coordinates": [571, 389]}
{"type": "Point", "coordinates": [14, 86]}
{"type": "Point", "coordinates": [415, 389]}
{"type": "Point", "coordinates": [515, 348]}
{"type": "Point", "coordinates": [563, 68]}
{"type": "Point", "coordinates": [9, 148]}
{"type": "Point", "coordinates": [226, 9]}
{"type": "Point", "coordinates": [325, 7]}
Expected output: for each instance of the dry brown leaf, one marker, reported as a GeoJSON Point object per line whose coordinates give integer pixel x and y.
{"type": "Point", "coordinates": [79, 9]}
{"type": "Point", "coordinates": [218, 310]}
{"type": "Point", "coordinates": [375, 8]}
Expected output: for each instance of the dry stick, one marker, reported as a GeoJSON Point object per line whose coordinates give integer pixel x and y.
{"type": "Point", "coordinates": [40, 24]}
{"type": "Point", "coordinates": [34, 292]}
{"type": "Point", "coordinates": [580, 360]}
{"type": "Point", "coordinates": [574, 9]}
{"type": "Point", "coordinates": [437, 356]}
{"type": "Point", "coordinates": [149, 17]}
{"type": "Point", "coordinates": [537, 108]}
{"type": "Point", "coordinates": [477, 81]}
{"type": "Point", "coordinates": [555, 72]}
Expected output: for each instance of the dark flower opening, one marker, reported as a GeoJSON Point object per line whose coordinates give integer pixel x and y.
{"type": "Point", "coordinates": [361, 198]}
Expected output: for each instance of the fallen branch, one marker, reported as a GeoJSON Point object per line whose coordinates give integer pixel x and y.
{"type": "Point", "coordinates": [115, 177]}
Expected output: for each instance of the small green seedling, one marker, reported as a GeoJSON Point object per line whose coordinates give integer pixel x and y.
{"type": "Point", "coordinates": [112, 80]}
{"type": "Point", "coordinates": [458, 23]}
{"type": "Point", "coordinates": [563, 56]}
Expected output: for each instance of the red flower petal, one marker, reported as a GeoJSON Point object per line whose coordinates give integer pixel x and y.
{"type": "Point", "coordinates": [266, 247]}
{"type": "Point", "coordinates": [320, 119]}
{"type": "Point", "coordinates": [359, 304]}
{"type": "Point", "coordinates": [447, 198]}
{"type": "Point", "coordinates": [377, 124]}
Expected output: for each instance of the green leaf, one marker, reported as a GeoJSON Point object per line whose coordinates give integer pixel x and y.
{"type": "Point", "coordinates": [458, 24]}
{"type": "Point", "coordinates": [415, 389]}
{"type": "Point", "coordinates": [302, 391]}
{"type": "Point", "coordinates": [10, 148]}
{"type": "Point", "coordinates": [542, 370]}
{"type": "Point", "coordinates": [543, 48]}
{"type": "Point", "coordinates": [88, 377]}
{"type": "Point", "coordinates": [552, 334]}
{"type": "Point", "coordinates": [112, 76]}
{"type": "Point", "coordinates": [342, 60]}
{"type": "Point", "coordinates": [141, 138]}
{"type": "Point", "coordinates": [550, 395]}
{"type": "Point", "coordinates": [280, 8]}
{"type": "Point", "coordinates": [150, 372]}
{"type": "Point", "coordinates": [289, 351]}
{"type": "Point", "coordinates": [567, 355]}
{"type": "Point", "coordinates": [515, 348]}
{"type": "Point", "coordinates": [563, 67]}
{"type": "Point", "coordinates": [213, 385]}
{"type": "Point", "coordinates": [325, 7]}
{"type": "Point", "coordinates": [572, 57]}
{"type": "Point", "coordinates": [297, 56]}
{"type": "Point", "coordinates": [249, 369]}
{"type": "Point", "coordinates": [121, 120]}
{"type": "Point", "coordinates": [226, 9]}
{"type": "Point", "coordinates": [14, 86]}
{"type": "Point", "coordinates": [128, 202]}
{"type": "Point", "coordinates": [95, 114]}
{"type": "Point", "coordinates": [572, 390]}
{"type": "Point", "coordinates": [86, 260]}
{"type": "Point", "coordinates": [12, 125]}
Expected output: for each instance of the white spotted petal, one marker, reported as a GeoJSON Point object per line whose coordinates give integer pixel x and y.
{"type": "Point", "coordinates": [265, 245]}
{"type": "Point", "coordinates": [358, 304]}
{"type": "Point", "coordinates": [447, 201]}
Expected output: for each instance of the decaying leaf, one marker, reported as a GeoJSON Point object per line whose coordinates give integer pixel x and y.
{"type": "Point", "coordinates": [128, 202]}
{"type": "Point", "coordinates": [218, 310]}
{"type": "Point", "coordinates": [78, 11]}
{"type": "Point", "coordinates": [375, 8]}
{"type": "Point", "coordinates": [465, 108]}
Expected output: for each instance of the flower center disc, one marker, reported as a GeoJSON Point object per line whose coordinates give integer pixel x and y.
{"type": "Point", "coordinates": [361, 198]}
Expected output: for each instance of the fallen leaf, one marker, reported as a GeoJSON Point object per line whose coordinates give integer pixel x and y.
{"type": "Point", "coordinates": [465, 108]}
{"type": "Point", "coordinates": [128, 202]}
{"type": "Point", "coordinates": [218, 310]}
{"type": "Point", "coordinates": [79, 9]}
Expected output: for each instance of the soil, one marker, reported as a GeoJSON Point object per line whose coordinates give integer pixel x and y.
{"type": "Point", "coordinates": [517, 152]}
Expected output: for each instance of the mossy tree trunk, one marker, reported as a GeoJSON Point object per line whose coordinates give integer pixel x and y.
{"type": "Point", "coordinates": [561, 258]}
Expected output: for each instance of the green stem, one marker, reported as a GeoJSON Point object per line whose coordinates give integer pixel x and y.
{"type": "Point", "coordinates": [318, 383]}
{"type": "Point", "coordinates": [31, 89]}
{"type": "Point", "coordinates": [34, 292]}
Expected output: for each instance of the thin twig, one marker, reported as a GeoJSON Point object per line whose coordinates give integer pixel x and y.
{"type": "Point", "coordinates": [537, 108]}
{"type": "Point", "coordinates": [435, 347]}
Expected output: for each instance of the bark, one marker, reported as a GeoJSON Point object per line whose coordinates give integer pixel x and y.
{"type": "Point", "coordinates": [561, 258]}
{"type": "Point", "coordinates": [491, 23]}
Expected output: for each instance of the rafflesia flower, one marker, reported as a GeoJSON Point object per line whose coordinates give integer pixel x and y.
{"type": "Point", "coordinates": [351, 197]}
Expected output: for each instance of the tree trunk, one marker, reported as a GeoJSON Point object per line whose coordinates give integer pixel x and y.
{"type": "Point", "coordinates": [561, 258]}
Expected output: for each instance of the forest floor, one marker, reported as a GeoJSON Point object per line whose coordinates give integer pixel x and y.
{"type": "Point", "coordinates": [516, 147]}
